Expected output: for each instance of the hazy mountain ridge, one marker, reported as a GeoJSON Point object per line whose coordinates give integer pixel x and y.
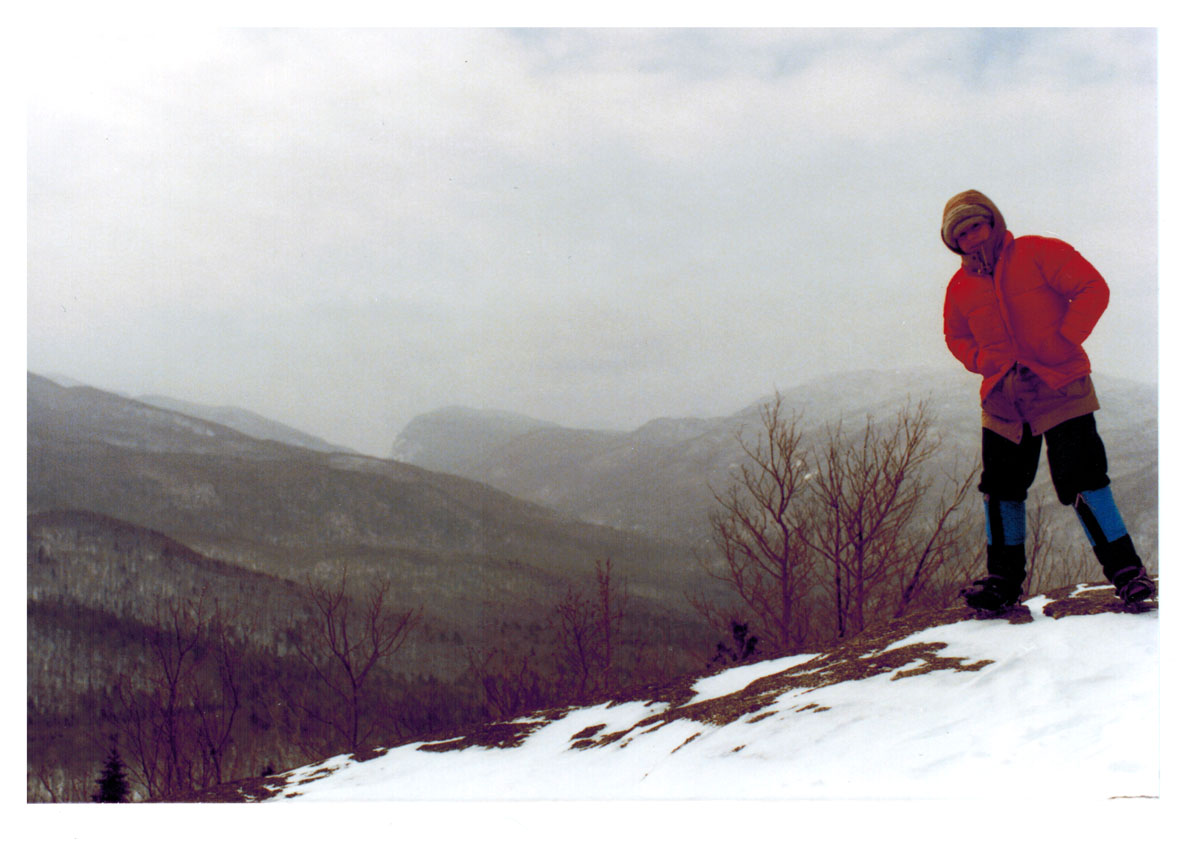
{"type": "Point", "coordinates": [68, 414]}
{"type": "Point", "coordinates": [239, 419]}
{"type": "Point", "coordinates": [659, 478]}
{"type": "Point", "coordinates": [245, 421]}
{"type": "Point", "coordinates": [167, 466]}
{"type": "Point", "coordinates": [457, 545]}
{"type": "Point", "coordinates": [458, 435]}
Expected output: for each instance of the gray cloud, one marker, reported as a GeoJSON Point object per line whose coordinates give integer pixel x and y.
{"type": "Point", "coordinates": [342, 229]}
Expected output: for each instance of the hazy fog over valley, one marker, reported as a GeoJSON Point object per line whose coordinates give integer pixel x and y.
{"type": "Point", "coordinates": [342, 230]}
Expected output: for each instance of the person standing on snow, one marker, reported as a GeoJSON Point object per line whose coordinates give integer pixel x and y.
{"type": "Point", "coordinates": [1017, 313]}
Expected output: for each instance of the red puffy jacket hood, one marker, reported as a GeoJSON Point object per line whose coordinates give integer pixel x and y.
{"type": "Point", "coordinates": [970, 204]}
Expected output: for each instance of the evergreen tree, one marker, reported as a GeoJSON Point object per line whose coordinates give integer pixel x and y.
{"type": "Point", "coordinates": [744, 646]}
{"type": "Point", "coordinates": [112, 786]}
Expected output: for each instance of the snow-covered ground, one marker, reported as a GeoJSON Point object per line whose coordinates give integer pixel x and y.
{"type": "Point", "coordinates": [1054, 742]}
{"type": "Point", "coordinates": [1063, 708]}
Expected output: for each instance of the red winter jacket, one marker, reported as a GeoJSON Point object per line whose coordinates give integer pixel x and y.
{"type": "Point", "coordinates": [1038, 308]}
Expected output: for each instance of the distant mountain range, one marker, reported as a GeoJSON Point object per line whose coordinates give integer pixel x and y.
{"type": "Point", "coordinates": [238, 418]}
{"type": "Point", "coordinates": [281, 508]}
{"type": "Point", "coordinates": [245, 421]}
{"type": "Point", "coordinates": [658, 479]}
{"type": "Point", "coordinates": [471, 554]}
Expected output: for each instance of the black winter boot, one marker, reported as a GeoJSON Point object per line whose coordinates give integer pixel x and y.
{"type": "Point", "coordinates": [1124, 569]}
{"type": "Point", "coordinates": [1113, 546]}
{"type": "Point", "coordinates": [1002, 587]}
{"type": "Point", "coordinates": [1134, 585]}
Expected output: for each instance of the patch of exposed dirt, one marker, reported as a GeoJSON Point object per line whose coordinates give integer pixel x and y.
{"type": "Point", "coordinates": [585, 738]}
{"type": "Point", "coordinates": [1093, 598]}
{"type": "Point", "coordinates": [368, 755]}
{"type": "Point", "coordinates": [494, 735]}
{"type": "Point", "coordinates": [588, 732]}
{"type": "Point", "coordinates": [861, 657]}
{"type": "Point", "coordinates": [241, 791]}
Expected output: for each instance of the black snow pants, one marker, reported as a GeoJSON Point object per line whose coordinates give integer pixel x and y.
{"type": "Point", "coordinates": [1074, 451]}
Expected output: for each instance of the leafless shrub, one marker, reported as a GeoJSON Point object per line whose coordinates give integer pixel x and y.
{"type": "Point", "coordinates": [759, 530]}
{"type": "Point", "coordinates": [820, 543]}
{"type": "Point", "coordinates": [176, 716]}
{"type": "Point", "coordinates": [588, 627]}
{"type": "Point", "coordinates": [343, 642]}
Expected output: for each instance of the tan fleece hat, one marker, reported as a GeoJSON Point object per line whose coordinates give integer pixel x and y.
{"type": "Point", "coordinates": [965, 205]}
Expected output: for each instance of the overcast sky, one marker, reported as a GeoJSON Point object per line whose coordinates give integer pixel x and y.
{"type": "Point", "coordinates": [344, 229]}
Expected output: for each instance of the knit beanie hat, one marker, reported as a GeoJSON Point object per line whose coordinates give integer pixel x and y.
{"type": "Point", "coordinates": [967, 205]}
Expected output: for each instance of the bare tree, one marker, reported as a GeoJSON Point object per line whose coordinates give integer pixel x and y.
{"type": "Point", "coordinates": [218, 702]}
{"type": "Point", "coordinates": [760, 532]}
{"type": "Point", "coordinates": [611, 599]}
{"type": "Point", "coordinates": [138, 718]}
{"type": "Point", "coordinates": [885, 543]}
{"type": "Point", "coordinates": [55, 784]}
{"type": "Point", "coordinates": [509, 684]}
{"type": "Point", "coordinates": [589, 626]}
{"type": "Point", "coordinates": [344, 643]}
{"type": "Point", "coordinates": [841, 536]}
{"type": "Point", "coordinates": [940, 568]}
{"type": "Point", "coordinates": [576, 631]}
{"type": "Point", "coordinates": [177, 724]}
{"type": "Point", "coordinates": [175, 657]}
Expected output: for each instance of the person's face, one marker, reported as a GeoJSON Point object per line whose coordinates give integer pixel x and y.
{"type": "Point", "coordinates": [971, 234]}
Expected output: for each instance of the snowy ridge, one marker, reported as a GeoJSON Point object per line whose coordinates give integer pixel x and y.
{"type": "Point", "coordinates": [1060, 701]}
